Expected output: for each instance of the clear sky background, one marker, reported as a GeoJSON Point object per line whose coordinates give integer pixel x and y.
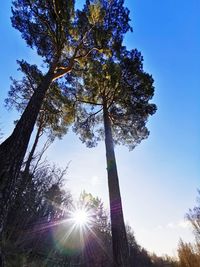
{"type": "Point", "coordinates": [159, 179]}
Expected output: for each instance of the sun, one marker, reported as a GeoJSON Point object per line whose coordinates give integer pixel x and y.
{"type": "Point", "coordinates": [80, 217]}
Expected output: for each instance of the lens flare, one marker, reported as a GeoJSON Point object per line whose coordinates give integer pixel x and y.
{"type": "Point", "coordinates": [80, 217]}
{"type": "Point", "coordinates": [73, 234]}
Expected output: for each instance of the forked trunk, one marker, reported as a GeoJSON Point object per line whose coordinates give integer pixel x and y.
{"type": "Point", "coordinates": [13, 149]}
{"type": "Point", "coordinates": [119, 238]}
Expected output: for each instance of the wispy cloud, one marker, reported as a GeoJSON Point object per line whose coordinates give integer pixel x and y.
{"type": "Point", "coordinates": [175, 225]}
{"type": "Point", "coordinates": [184, 224]}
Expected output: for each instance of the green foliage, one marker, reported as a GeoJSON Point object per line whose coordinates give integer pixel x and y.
{"type": "Point", "coordinates": [45, 25]}
{"type": "Point", "coordinates": [88, 43]}
{"type": "Point", "coordinates": [125, 89]}
{"type": "Point", "coordinates": [60, 34]}
{"type": "Point", "coordinates": [43, 208]}
{"type": "Point", "coordinates": [31, 216]}
{"type": "Point", "coordinates": [99, 214]}
{"type": "Point", "coordinates": [96, 13]}
{"type": "Point", "coordinates": [56, 113]}
{"type": "Point", "coordinates": [64, 37]}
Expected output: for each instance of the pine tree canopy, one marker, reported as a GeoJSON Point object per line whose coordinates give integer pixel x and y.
{"type": "Point", "coordinates": [56, 113]}
{"type": "Point", "coordinates": [125, 89]}
{"type": "Point", "coordinates": [64, 36]}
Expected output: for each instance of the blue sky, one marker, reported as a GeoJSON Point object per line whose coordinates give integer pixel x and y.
{"type": "Point", "coordinates": [159, 179]}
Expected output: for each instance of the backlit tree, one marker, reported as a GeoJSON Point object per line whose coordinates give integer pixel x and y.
{"type": "Point", "coordinates": [113, 104]}
{"type": "Point", "coordinates": [64, 38]}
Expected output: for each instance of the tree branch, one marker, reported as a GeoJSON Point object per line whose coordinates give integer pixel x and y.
{"type": "Point", "coordinates": [91, 115]}
{"type": "Point", "coordinates": [86, 101]}
{"type": "Point", "coordinates": [61, 71]}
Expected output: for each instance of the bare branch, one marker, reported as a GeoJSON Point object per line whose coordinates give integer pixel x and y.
{"type": "Point", "coordinates": [45, 147]}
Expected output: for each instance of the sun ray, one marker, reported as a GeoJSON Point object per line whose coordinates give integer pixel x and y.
{"type": "Point", "coordinates": [98, 240]}
{"type": "Point", "coordinates": [80, 217]}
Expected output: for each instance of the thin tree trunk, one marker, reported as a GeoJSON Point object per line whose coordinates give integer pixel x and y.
{"type": "Point", "coordinates": [119, 238]}
{"type": "Point", "coordinates": [26, 176]}
{"type": "Point", "coordinates": [25, 179]}
{"type": "Point", "coordinates": [13, 149]}
{"type": "Point", "coordinates": [30, 156]}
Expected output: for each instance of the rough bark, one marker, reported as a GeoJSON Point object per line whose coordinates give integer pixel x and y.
{"type": "Point", "coordinates": [13, 149]}
{"type": "Point", "coordinates": [119, 238]}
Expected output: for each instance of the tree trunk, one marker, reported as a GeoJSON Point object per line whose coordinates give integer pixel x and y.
{"type": "Point", "coordinates": [119, 238]}
{"type": "Point", "coordinates": [26, 176]}
{"type": "Point", "coordinates": [13, 149]}
{"type": "Point", "coordinates": [35, 143]}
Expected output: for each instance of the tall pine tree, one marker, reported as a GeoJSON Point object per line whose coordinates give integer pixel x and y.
{"type": "Point", "coordinates": [64, 39]}
{"type": "Point", "coordinates": [113, 105]}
